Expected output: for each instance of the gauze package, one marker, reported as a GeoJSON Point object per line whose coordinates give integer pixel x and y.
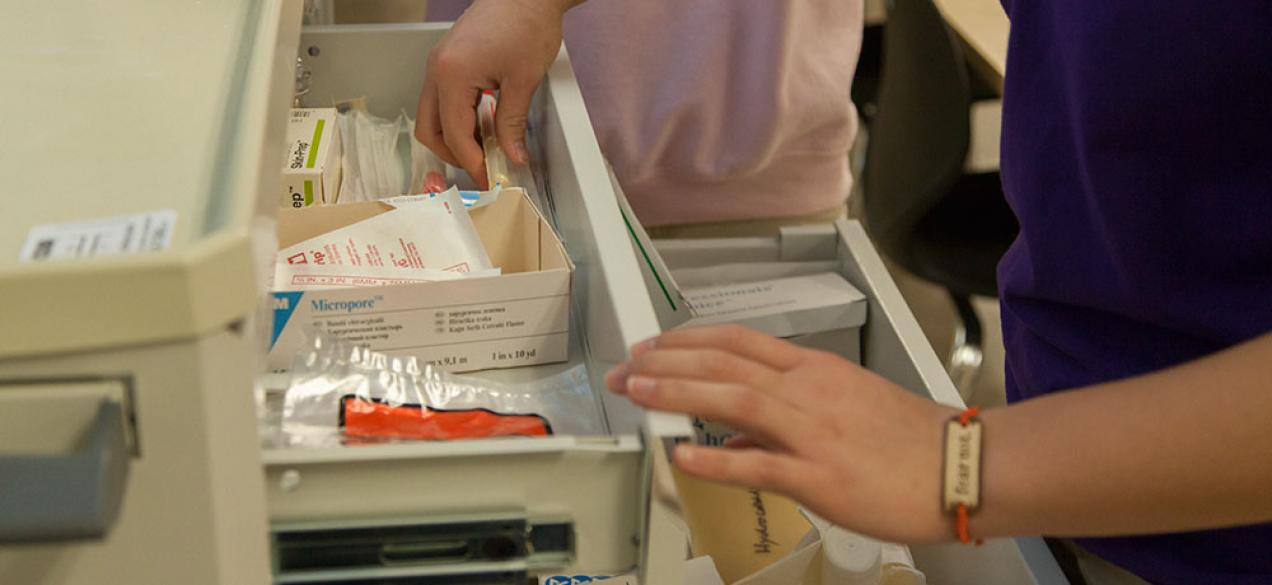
{"type": "Point", "coordinates": [377, 144]}
{"type": "Point", "coordinates": [350, 165]}
{"type": "Point", "coordinates": [428, 173]}
{"type": "Point", "coordinates": [432, 234]}
{"type": "Point", "coordinates": [383, 159]}
{"type": "Point", "coordinates": [341, 393]}
{"type": "Point", "coordinates": [372, 162]}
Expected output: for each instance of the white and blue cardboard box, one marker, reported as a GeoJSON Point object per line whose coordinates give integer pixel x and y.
{"type": "Point", "coordinates": [519, 318]}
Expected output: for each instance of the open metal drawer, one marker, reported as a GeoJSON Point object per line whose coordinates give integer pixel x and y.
{"type": "Point", "coordinates": [894, 347]}
{"type": "Point", "coordinates": [496, 510]}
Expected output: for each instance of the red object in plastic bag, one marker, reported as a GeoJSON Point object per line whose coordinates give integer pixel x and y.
{"type": "Point", "coordinates": [363, 418]}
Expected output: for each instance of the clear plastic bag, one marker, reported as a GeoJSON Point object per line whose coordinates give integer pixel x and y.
{"type": "Point", "coordinates": [343, 394]}
{"type": "Point", "coordinates": [428, 172]}
{"type": "Point", "coordinates": [383, 159]}
{"type": "Point", "coordinates": [373, 165]}
{"type": "Point", "coordinates": [351, 188]}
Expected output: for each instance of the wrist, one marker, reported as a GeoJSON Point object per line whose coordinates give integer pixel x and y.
{"type": "Point", "coordinates": [1001, 512]}
{"type": "Point", "coordinates": [930, 522]}
{"type": "Point", "coordinates": [961, 471]}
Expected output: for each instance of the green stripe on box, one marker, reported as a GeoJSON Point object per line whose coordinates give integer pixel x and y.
{"type": "Point", "coordinates": [309, 192]}
{"type": "Point", "coordinates": [648, 261]}
{"type": "Point", "coordinates": [313, 145]}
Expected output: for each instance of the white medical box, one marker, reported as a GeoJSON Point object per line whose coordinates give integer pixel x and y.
{"type": "Point", "coordinates": [517, 318]}
{"type": "Point", "coordinates": [311, 162]}
{"type": "Point", "coordinates": [817, 309]}
{"type": "Point", "coordinates": [157, 351]}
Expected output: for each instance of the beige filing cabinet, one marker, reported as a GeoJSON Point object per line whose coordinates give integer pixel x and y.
{"type": "Point", "coordinates": [128, 449]}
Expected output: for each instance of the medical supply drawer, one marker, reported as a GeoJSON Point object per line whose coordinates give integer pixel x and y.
{"type": "Point", "coordinates": [892, 345]}
{"type": "Point", "coordinates": [407, 498]}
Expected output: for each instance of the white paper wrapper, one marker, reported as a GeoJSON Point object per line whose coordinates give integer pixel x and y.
{"type": "Point", "coordinates": [414, 241]}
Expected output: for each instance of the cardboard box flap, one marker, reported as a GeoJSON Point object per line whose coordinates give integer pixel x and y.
{"type": "Point", "coordinates": [516, 237]}
{"type": "Point", "coordinates": [509, 228]}
{"type": "Point", "coordinates": [298, 225]}
{"type": "Point", "coordinates": [552, 254]}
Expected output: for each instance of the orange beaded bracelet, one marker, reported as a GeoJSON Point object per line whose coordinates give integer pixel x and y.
{"type": "Point", "coordinates": [961, 474]}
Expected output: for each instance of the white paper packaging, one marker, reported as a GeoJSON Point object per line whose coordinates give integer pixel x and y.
{"type": "Point", "coordinates": [431, 235]}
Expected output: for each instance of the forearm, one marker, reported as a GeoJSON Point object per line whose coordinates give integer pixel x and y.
{"type": "Point", "coordinates": [1181, 449]}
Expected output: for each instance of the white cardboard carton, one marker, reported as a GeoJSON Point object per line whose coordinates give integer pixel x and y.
{"type": "Point", "coordinates": [311, 165]}
{"type": "Point", "coordinates": [819, 311]}
{"type": "Point", "coordinates": [518, 318]}
{"type": "Point", "coordinates": [805, 302]}
{"type": "Point", "coordinates": [783, 307]}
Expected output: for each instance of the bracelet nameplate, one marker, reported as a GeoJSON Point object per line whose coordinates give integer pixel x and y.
{"type": "Point", "coordinates": [962, 465]}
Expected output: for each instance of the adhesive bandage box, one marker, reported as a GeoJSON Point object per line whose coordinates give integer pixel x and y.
{"type": "Point", "coordinates": [311, 165]}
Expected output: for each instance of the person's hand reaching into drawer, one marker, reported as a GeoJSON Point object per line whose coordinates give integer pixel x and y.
{"type": "Point", "coordinates": [851, 446]}
{"type": "Point", "coordinates": [497, 44]}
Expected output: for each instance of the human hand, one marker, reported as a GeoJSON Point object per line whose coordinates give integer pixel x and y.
{"type": "Point", "coordinates": [847, 444]}
{"type": "Point", "coordinates": [496, 44]}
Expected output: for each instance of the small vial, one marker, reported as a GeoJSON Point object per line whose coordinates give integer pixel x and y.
{"type": "Point", "coordinates": [496, 161]}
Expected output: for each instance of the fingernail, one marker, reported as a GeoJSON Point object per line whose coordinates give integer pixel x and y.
{"type": "Point", "coordinates": [685, 454]}
{"type": "Point", "coordinates": [640, 386]}
{"type": "Point", "coordinates": [520, 155]}
{"type": "Point", "coordinates": [616, 377]}
{"type": "Point", "coordinates": [643, 346]}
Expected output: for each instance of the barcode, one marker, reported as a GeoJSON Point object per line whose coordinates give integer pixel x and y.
{"type": "Point", "coordinates": [42, 250]}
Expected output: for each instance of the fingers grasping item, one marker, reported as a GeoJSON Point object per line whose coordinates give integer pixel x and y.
{"type": "Point", "coordinates": [848, 444]}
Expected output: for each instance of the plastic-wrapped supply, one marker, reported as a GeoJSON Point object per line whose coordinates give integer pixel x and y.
{"type": "Point", "coordinates": [496, 160]}
{"type": "Point", "coordinates": [344, 394]}
{"type": "Point", "coordinates": [377, 143]}
{"type": "Point", "coordinates": [383, 159]}
{"type": "Point", "coordinates": [428, 173]}
{"type": "Point", "coordinates": [372, 162]}
{"type": "Point", "coordinates": [351, 188]}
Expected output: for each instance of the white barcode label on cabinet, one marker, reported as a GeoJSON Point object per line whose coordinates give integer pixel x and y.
{"type": "Point", "coordinates": [125, 234]}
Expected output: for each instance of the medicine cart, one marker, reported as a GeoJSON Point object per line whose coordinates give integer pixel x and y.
{"type": "Point", "coordinates": [127, 381]}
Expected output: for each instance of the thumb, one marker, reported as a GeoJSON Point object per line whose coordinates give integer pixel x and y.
{"type": "Point", "coordinates": [511, 117]}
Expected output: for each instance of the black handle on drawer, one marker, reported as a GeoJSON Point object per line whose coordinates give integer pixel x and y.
{"type": "Point", "coordinates": [420, 552]}
{"type": "Point", "coordinates": [76, 496]}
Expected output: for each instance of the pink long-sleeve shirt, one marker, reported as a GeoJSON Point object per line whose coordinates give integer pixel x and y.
{"type": "Point", "coordinates": [718, 110]}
